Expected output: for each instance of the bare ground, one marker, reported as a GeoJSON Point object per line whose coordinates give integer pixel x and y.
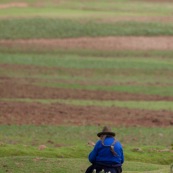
{"type": "Point", "coordinates": [56, 114]}
{"type": "Point", "coordinates": [13, 4]}
{"type": "Point", "coordinates": [97, 43]}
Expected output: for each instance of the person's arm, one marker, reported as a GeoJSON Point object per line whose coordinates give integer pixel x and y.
{"type": "Point", "coordinates": [91, 143]}
{"type": "Point", "coordinates": [93, 154]}
{"type": "Point", "coordinates": [122, 157]}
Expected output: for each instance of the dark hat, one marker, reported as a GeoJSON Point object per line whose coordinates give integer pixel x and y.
{"type": "Point", "coordinates": [106, 131]}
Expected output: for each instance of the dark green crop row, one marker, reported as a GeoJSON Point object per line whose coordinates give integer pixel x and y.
{"type": "Point", "coordinates": [58, 28]}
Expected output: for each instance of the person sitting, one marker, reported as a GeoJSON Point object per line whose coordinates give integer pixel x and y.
{"type": "Point", "coordinates": [107, 154]}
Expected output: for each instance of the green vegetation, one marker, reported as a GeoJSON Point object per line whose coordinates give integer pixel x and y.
{"type": "Point", "coordinates": [96, 9]}
{"type": "Point", "coordinates": [40, 164]}
{"type": "Point", "coordinates": [59, 140]}
{"type": "Point", "coordinates": [150, 90]}
{"type": "Point", "coordinates": [62, 136]}
{"type": "Point", "coordinates": [83, 18]}
{"type": "Point", "coordinates": [145, 105]}
{"type": "Point", "coordinates": [121, 73]}
{"type": "Point", "coordinates": [89, 62]}
{"type": "Point", "coordinates": [19, 148]}
{"type": "Point", "coordinates": [60, 28]}
{"type": "Point", "coordinates": [26, 165]}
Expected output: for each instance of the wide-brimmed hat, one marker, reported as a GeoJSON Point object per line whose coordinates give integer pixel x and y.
{"type": "Point", "coordinates": [106, 131]}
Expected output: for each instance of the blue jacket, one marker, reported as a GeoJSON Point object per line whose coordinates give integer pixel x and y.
{"type": "Point", "coordinates": [103, 154]}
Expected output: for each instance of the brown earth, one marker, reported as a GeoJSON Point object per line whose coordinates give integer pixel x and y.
{"type": "Point", "coordinates": [14, 4]}
{"type": "Point", "coordinates": [97, 43]}
{"type": "Point", "coordinates": [154, 1]}
{"type": "Point", "coordinates": [56, 114]}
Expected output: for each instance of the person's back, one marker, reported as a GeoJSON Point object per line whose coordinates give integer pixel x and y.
{"type": "Point", "coordinates": [107, 154]}
{"type": "Point", "coordinates": [102, 151]}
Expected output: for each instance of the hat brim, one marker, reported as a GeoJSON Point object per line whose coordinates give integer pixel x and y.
{"type": "Point", "coordinates": [106, 133]}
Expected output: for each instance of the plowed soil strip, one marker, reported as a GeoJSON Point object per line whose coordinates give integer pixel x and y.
{"type": "Point", "coordinates": [97, 43]}
{"type": "Point", "coordinates": [54, 114]}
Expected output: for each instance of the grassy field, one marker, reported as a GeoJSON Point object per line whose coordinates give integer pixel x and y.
{"type": "Point", "coordinates": [119, 70]}
{"type": "Point", "coordinates": [148, 73]}
{"type": "Point", "coordinates": [23, 151]}
{"type": "Point", "coordinates": [83, 18]}
{"type": "Point", "coordinates": [32, 28]}
{"type": "Point", "coordinates": [97, 9]}
{"type": "Point", "coordinates": [19, 144]}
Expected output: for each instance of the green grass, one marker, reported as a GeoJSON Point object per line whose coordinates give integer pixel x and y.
{"type": "Point", "coordinates": [147, 105]}
{"type": "Point", "coordinates": [116, 66]}
{"type": "Point", "coordinates": [53, 136]}
{"type": "Point", "coordinates": [83, 53]}
{"type": "Point", "coordinates": [75, 61]}
{"type": "Point", "coordinates": [73, 19]}
{"type": "Point", "coordinates": [152, 154]}
{"type": "Point", "coordinates": [24, 141]}
{"type": "Point", "coordinates": [41, 164]}
{"type": "Point", "coordinates": [102, 8]}
{"type": "Point", "coordinates": [66, 13]}
{"type": "Point", "coordinates": [149, 90]}
{"type": "Point", "coordinates": [125, 6]}
{"type": "Point", "coordinates": [122, 73]}
{"type": "Point", "coordinates": [61, 28]}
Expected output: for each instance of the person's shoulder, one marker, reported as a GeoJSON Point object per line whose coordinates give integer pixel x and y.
{"type": "Point", "coordinates": [98, 142]}
{"type": "Point", "coordinates": [118, 142]}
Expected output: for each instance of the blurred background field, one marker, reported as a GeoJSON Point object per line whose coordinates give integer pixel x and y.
{"type": "Point", "coordinates": [67, 68]}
